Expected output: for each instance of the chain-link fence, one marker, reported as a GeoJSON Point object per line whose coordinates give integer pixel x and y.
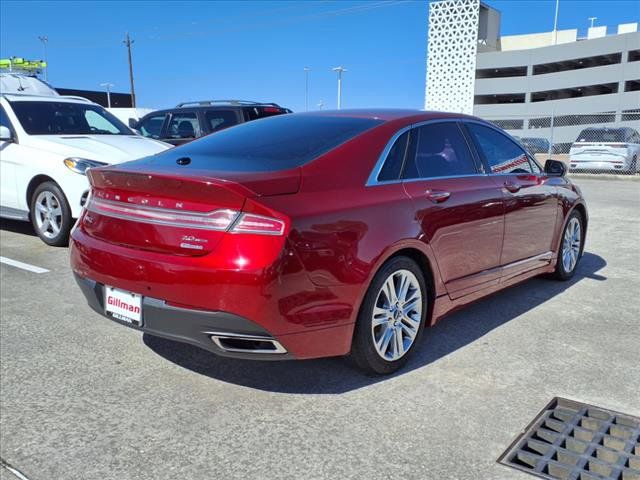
{"type": "Point", "coordinates": [599, 143]}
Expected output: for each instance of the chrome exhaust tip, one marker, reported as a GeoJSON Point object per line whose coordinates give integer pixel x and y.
{"type": "Point", "coordinates": [239, 343]}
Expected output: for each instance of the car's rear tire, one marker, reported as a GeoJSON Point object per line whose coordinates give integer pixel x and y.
{"type": "Point", "coordinates": [391, 318]}
{"type": "Point", "coordinates": [51, 214]}
{"type": "Point", "coordinates": [571, 247]}
{"type": "Point", "coordinates": [633, 169]}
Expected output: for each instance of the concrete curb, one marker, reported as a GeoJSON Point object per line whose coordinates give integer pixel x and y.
{"type": "Point", "coordinates": [604, 176]}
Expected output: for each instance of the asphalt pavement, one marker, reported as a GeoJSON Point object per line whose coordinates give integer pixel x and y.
{"type": "Point", "coordinates": [84, 398]}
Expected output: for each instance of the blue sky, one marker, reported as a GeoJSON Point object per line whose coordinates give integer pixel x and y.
{"type": "Point", "coordinates": [257, 49]}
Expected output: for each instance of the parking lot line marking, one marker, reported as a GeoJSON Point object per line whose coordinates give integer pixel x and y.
{"type": "Point", "coordinates": [16, 472]}
{"type": "Point", "coordinates": [23, 266]}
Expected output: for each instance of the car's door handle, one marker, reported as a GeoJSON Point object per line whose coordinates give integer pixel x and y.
{"type": "Point", "coordinates": [512, 186]}
{"type": "Point", "coordinates": [437, 196]}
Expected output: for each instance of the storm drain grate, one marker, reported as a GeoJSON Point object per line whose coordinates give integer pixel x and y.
{"type": "Point", "coordinates": [574, 441]}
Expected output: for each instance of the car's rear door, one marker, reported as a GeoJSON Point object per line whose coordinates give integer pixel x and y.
{"type": "Point", "coordinates": [459, 208]}
{"type": "Point", "coordinates": [530, 200]}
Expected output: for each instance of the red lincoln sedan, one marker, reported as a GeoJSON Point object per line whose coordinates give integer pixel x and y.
{"type": "Point", "coordinates": [322, 234]}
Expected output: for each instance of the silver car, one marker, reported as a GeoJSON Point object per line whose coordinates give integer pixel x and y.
{"type": "Point", "coordinates": [606, 149]}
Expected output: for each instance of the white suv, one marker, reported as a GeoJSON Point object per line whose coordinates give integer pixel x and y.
{"type": "Point", "coordinates": [606, 149]}
{"type": "Point", "coordinates": [46, 145]}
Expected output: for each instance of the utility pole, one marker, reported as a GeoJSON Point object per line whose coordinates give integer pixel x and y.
{"type": "Point", "coordinates": [555, 24]}
{"type": "Point", "coordinates": [306, 88]}
{"type": "Point", "coordinates": [339, 70]}
{"type": "Point", "coordinates": [128, 42]}
{"type": "Point", "coordinates": [108, 86]}
{"type": "Point", "coordinates": [44, 39]}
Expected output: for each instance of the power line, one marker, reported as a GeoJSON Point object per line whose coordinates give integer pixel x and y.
{"type": "Point", "coordinates": [283, 21]}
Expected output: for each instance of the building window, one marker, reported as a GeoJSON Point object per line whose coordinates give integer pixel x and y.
{"type": "Point", "coordinates": [509, 124]}
{"type": "Point", "coordinates": [631, 115]}
{"type": "Point", "coordinates": [567, 120]}
{"type": "Point", "coordinates": [575, 92]}
{"type": "Point", "coordinates": [501, 72]}
{"type": "Point", "coordinates": [577, 63]}
{"type": "Point", "coordinates": [499, 98]}
{"type": "Point", "coordinates": [634, 55]}
{"type": "Point", "coordinates": [631, 85]}
{"type": "Point", "coordinates": [543, 122]}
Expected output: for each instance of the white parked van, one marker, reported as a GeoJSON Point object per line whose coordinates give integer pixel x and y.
{"type": "Point", "coordinates": [46, 145]}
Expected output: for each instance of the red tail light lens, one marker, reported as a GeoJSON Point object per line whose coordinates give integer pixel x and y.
{"type": "Point", "coordinates": [216, 220]}
{"type": "Point", "coordinates": [250, 223]}
{"type": "Point", "coordinates": [220, 220]}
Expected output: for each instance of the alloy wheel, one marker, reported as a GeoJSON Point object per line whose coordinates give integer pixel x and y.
{"type": "Point", "coordinates": [571, 245]}
{"type": "Point", "coordinates": [48, 214]}
{"type": "Point", "coordinates": [396, 315]}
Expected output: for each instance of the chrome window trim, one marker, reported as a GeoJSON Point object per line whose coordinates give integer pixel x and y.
{"type": "Point", "coordinates": [373, 181]}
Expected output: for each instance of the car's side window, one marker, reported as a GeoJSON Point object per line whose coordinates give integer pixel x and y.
{"type": "Point", "coordinates": [152, 126]}
{"type": "Point", "coordinates": [393, 163]}
{"type": "Point", "coordinates": [219, 119]}
{"type": "Point", "coordinates": [535, 168]}
{"type": "Point", "coordinates": [183, 125]}
{"type": "Point", "coordinates": [503, 155]}
{"type": "Point", "coordinates": [438, 150]}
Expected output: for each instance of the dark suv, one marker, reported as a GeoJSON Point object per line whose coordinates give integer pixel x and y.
{"type": "Point", "coordinates": [191, 120]}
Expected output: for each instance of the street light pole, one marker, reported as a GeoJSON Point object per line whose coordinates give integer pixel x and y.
{"type": "Point", "coordinates": [306, 88]}
{"type": "Point", "coordinates": [44, 39]}
{"type": "Point", "coordinates": [108, 86]}
{"type": "Point", "coordinates": [555, 24]}
{"type": "Point", "coordinates": [339, 70]}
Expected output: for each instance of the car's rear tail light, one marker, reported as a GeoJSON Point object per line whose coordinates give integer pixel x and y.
{"type": "Point", "coordinates": [272, 110]}
{"type": "Point", "coordinates": [250, 223]}
{"type": "Point", "coordinates": [216, 220]}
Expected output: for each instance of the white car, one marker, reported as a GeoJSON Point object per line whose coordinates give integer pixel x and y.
{"type": "Point", "coordinates": [46, 145]}
{"type": "Point", "coordinates": [606, 149]}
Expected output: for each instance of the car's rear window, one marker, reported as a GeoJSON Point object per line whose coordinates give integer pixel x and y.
{"type": "Point", "coordinates": [275, 143]}
{"type": "Point", "coordinates": [601, 135]}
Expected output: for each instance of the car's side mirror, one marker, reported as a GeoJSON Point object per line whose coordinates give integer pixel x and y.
{"type": "Point", "coordinates": [133, 123]}
{"type": "Point", "coordinates": [555, 168]}
{"type": "Point", "coordinates": [5, 134]}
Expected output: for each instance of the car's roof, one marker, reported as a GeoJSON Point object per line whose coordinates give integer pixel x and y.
{"type": "Point", "coordinates": [607, 129]}
{"type": "Point", "coordinates": [17, 97]}
{"type": "Point", "coordinates": [217, 106]}
{"type": "Point", "coordinates": [388, 114]}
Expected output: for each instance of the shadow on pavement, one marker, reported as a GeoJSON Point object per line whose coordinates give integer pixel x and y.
{"type": "Point", "coordinates": [17, 226]}
{"type": "Point", "coordinates": [337, 375]}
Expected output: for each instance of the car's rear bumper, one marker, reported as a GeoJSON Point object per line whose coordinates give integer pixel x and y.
{"type": "Point", "coordinates": [599, 162]}
{"type": "Point", "coordinates": [188, 298]}
{"type": "Point", "coordinates": [200, 328]}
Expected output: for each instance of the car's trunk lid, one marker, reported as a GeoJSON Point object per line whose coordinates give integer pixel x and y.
{"type": "Point", "coordinates": [185, 214]}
